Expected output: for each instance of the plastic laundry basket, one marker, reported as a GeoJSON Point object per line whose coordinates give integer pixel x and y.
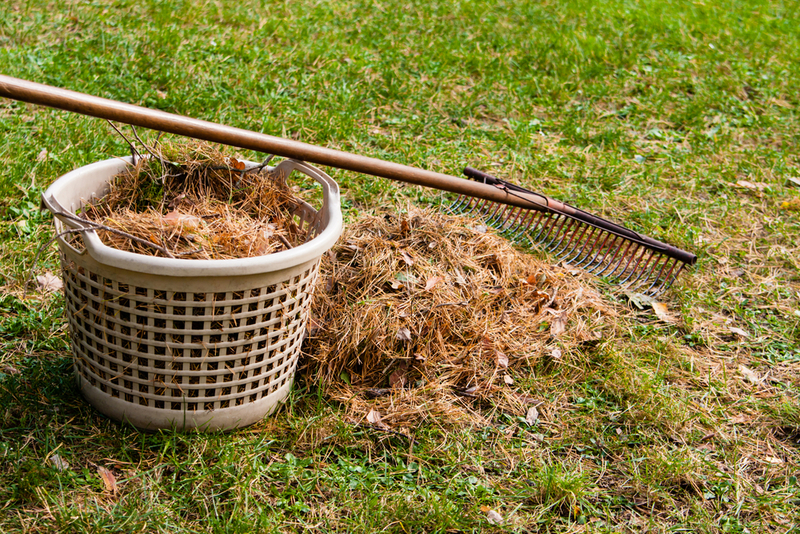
{"type": "Point", "coordinates": [162, 342]}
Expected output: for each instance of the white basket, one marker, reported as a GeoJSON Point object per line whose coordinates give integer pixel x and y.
{"type": "Point", "coordinates": [178, 343]}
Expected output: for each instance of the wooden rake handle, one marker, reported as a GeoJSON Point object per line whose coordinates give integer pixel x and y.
{"type": "Point", "coordinates": [93, 106]}
{"type": "Point", "coordinates": [45, 95]}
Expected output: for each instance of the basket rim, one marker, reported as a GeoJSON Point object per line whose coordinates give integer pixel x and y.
{"type": "Point", "coordinates": [100, 172]}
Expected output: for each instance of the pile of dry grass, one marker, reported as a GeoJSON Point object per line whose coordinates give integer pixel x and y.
{"type": "Point", "coordinates": [421, 315]}
{"type": "Point", "coordinates": [192, 201]}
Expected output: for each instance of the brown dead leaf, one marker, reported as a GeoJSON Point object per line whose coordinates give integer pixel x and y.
{"type": "Point", "coordinates": [184, 220]}
{"type": "Point", "coordinates": [59, 463]}
{"type": "Point", "coordinates": [236, 164]}
{"type": "Point", "coordinates": [404, 334]}
{"type": "Point", "coordinates": [494, 518]}
{"type": "Point", "coordinates": [527, 399]}
{"type": "Point", "coordinates": [432, 281]}
{"type": "Point", "coordinates": [540, 296]}
{"type": "Point", "coordinates": [532, 416]}
{"type": "Point", "coordinates": [753, 186]}
{"type": "Point", "coordinates": [48, 282]}
{"type": "Point", "coordinates": [750, 375]}
{"type": "Point", "coordinates": [738, 331]}
{"type": "Point", "coordinates": [405, 228]}
{"type": "Point", "coordinates": [9, 370]}
{"type": "Point", "coordinates": [502, 360]}
{"type": "Point", "coordinates": [558, 324]}
{"type": "Point", "coordinates": [407, 257]}
{"type": "Point", "coordinates": [662, 312]}
{"type": "Point", "coordinates": [397, 379]}
{"type": "Point", "coordinates": [396, 285]}
{"type": "Point", "coordinates": [374, 418]}
{"type": "Point", "coordinates": [109, 480]}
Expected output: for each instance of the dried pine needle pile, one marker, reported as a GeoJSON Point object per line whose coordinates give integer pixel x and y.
{"type": "Point", "coordinates": [421, 315]}
{"type": "Point", "coordinates": [191, 201]}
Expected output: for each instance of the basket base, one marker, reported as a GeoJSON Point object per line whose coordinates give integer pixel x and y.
{"type": "Point", "coordinates": [147, 418]}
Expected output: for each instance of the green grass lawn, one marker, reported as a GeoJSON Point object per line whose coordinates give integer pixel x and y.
{"type": "Point", "coordinates": [679, 119]}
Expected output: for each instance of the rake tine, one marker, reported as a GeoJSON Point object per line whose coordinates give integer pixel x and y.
{"type": "Point", "coordinates": [586, 242]}
{"type": "Point", "coordinates": [617, 249]}
{"type": "Point", "coordinates": [480, 207]}
{"type": "Point", "coordinates": [636, 251]}
{"type": "Point", "coordinates": [464, 204]}
{"type": "Point", "coordinates": [622, 257]}
{"type": "Point", "coordinates": [547, 225]}
{"type": "Point", "coordinates": [529, 216]}
{"type": "Point", "coordinates": [555, 232]}
{"type": "Point", "coordinates": [647, 273]}
{"type": "Point", "coordinates": [669, 281]}
{"type": "Point", "coordinates": [467, 204]}
{"type": "Point", "coordinates": [533, 220]}
{"type": "Point", "coordinates": [515, 212]}
{"type": "Point", "coordinates": [545, 221]}
{"type": "Point", "coordinates": [561, 254]}
{"type": "Point", "coordinates": [477, 207]}
{"type": "Point", "coordinates": [516, 232]}
{"type": "Point", "coordinates": [597, 250]}
{"type": "Point", "coordinates": [658, 278]}
{"type": "Point", "coordinates": [638, 255]}
{"type": "Point", "coordinates": [455, 205]}
{"type": "Point", "coordinates": [492, 219]}
{"type": "Point", "coordinates": [565, 231]}
{"type": "Point", "coordinates": [602, 254]}
{"type": "Point", "coordinates": [639, 287]}
{"type": "Point", "coordinates": [635, 282]}
{"type": "Point", "coordinates": [604, 249]}
{"type": "Point", "coordinates": [588, 246]}
{"type": "Point", "coordinates": [487, 208]}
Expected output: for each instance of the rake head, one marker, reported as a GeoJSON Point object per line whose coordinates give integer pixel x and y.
{"type": "Point", "coordinates": [621, 256]}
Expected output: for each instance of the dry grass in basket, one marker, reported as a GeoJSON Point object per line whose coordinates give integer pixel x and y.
{"type": "Point", "coordinates": [193, 201]}
{"type": "Point", "coordinates": [420, 315]}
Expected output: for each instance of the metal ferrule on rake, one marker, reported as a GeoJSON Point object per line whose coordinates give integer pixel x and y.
{"type": "Point", "coordinates": [598, 246]}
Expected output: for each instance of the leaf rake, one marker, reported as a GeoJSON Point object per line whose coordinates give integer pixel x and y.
{"type": "Point", "coordinates": [598, 246]}
{"type": "Point", "coordinates": [603, 248]}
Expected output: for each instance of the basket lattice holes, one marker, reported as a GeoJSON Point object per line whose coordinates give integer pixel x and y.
{"type": "Point", "coordinates": [186, 351]}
